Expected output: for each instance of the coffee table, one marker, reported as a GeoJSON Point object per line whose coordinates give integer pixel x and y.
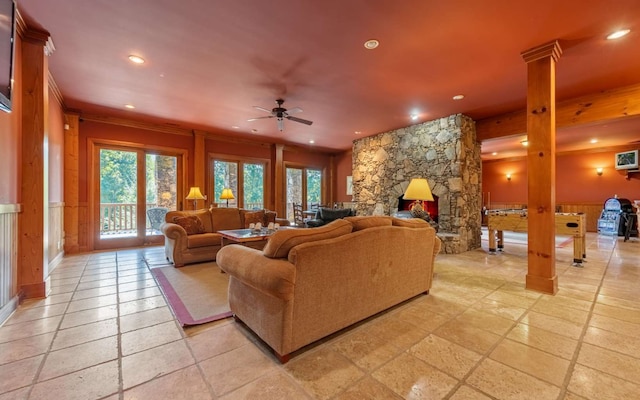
{"type": "Point", "coordinates": [247, 237]}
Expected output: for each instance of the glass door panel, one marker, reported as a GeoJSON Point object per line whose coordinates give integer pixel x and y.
{"type": "Point", "coordinates": [253, 186]}
{"type": "Point", "coordinates": [293, 189]}
{"type": "Point", "coordinates": [314, 187]}
{"type": "Point", "coordinates": [161, 190]}
{"type": "Point", "coordinates": [225, 176]}
{"type": "Point", "coordinates": [118, 194]}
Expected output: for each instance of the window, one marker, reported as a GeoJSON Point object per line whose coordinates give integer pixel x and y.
{"type": "Point", "coordinates": [248, 187]}
{"type": "Point", "coordinates": [304, 185]}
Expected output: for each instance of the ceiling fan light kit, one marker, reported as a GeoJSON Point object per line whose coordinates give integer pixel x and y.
{"type": "Point", "coordinates": [280, 113]}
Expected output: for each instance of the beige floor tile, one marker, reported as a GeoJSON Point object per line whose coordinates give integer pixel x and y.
{"type": "Point", "coordinates": [397, 332]}
{"type": "Point", "coordinates": [234, 369]}
{"type": "Point", "coordinates": [532, 361]}
{"type": "Point", "coordinates": [544, 340]}
{"type": "Point", "coordinates": [69, 288]}
{"type": "Point", "coordinates": [19, 373]}
{"type": "Point", "coordinates": [75, 358]}
{"type": "Point", "coordinates": [560, 300]}
{"type": "Point", "coordinates": [89, 276]}
{"type": "Point", "coordinates": [93, 302]}
{"type": "Point", "coordinates": [25, 348]}
{"type": "Point", "coordinates": [614, 325]}
{"type": "Point", "coordinates": [125, 287]}
{"type": "Point", "coordinates": [364, 349]}
{"type": "Point", "coordinates": [152, 336]}
{"type": "Point", "coordinates": [30, 314]}
{"type": "Point", "coordinates": [593, 384]}
{"type": "Point", "coordinates": [617, 302]}
{"type": "Point", "coordinates": [91, 383]}
{"type": "Point", "coordinates": [135, 306]}
{"type": "Point", "coordinates": [507, 297]}
{"type": "Point", "coordinates": [413, 378]}
{"type": "Point", "coordinates": [96, 284]}
{"type": "Point", "coordinates": [624, 314]}
{"type": "Point", "coordinates": [486, 321]}
{"type": "Point", "coordinates": [47, 301]}
{"type": "Point", "coordinates": [564, 312]}
{"type": "Point", "coordinates": [213, 342]}
{"type": "Point", "coordinates": [368, 388]}
{"type": "Point", "coordinates": [20, 394]}
{"type": "Point", "coordinates": [420, 315]}
{"type": "Point", "coordinates": [506, 383]}
{"type": "Point", "coordinates": [576, 294]}
{"type": "Point", "coordinates": [553, 324]}
{"type": "Point", "coordinates": [28, 329]}
{"type": "Point", "coordinates": [468, 393]}
{"type": "Point", "coordinates": [139, 294]}
{"type": "Point", "coordinates": [573, 396]}
{"type": "Point", "coordinates": [85, 333]}
{"type": "Point", "coordinates": [95, 292]}
{"type": "Point", "coordinates": [145, 318]}
{"type": "Point", "coordinates": [158, 361]}
{"type": "Point", "coordinates": [274, 386]}
{"type": "Point", "coordinates": [445, 355]}
{"type": "Point", "coordinates": [88, 316]}
{"type": "Point", "coordinates": [499, 309]}
{"type": "Point", "coordinates": [611, 362]}
{"type": "Point", "coordinates": [468, 336]}
{"type": "Point", "coordinates": [613, 341]}
{"type": "Point", "coordinates": [184, 384]}
{"type": "Point", "coordinates": [440, 305]}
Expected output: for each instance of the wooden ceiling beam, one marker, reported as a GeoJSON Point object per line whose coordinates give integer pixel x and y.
{"type": "Point", "coordinates": [607, 105]}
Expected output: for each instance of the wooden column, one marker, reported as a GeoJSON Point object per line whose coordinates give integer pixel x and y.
{"type": "Point", "coordinates": [34, 220]}
{"type": "Point", "coordinates": [71, 185]}
{"type": "Point", "coordinates": [277, 172]}
{"type": "Point", "coordinates": [541, 166]}
{"type": "Point", "coordinates": [199, 164]}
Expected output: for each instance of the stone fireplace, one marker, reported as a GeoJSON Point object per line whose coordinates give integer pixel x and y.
{"type": "Point", "coordinates": [446, 153]}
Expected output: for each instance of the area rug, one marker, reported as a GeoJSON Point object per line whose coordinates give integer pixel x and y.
{"type": "Point", "coordinates": [197, 293]}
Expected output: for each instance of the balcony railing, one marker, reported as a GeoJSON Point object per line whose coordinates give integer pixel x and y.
{"type": "Point", "coordinates": [119, 219]}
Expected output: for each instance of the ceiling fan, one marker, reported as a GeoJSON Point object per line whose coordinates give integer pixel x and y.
{"type": "Point", "coordinates": [281, 113]}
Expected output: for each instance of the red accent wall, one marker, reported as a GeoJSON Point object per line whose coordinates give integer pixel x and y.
{"type": "Point", "coordinates": [344, 168]}
{"type": "Point", "coordinates": [576, 180]}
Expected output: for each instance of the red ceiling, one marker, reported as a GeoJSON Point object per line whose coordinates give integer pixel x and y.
{"type": "Point", "coordinates": [209, 62]}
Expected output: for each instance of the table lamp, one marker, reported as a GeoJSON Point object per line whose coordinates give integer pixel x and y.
{"type": "Point", "coordinates": [227, 195]}
{"type": "Point", "coordinates": [418, 190]}
{"type": "Point", "coordinates": [195, 194]}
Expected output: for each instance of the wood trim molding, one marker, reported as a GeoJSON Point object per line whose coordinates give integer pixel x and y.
{"type": "Point", "coordinates": [551, 49]}
{"type": "Point", "coordinates": [607, 105]}
{"type": "Point", "coordinates": [10, 208]}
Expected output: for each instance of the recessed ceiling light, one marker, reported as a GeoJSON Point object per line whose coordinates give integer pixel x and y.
{"type": "Point", "coordinates": [618, 34]}
{"type": "Point", "coordinates": [136, 59]}
{"type": "Point", "coordinates": [312, 141]}
{"type": "Point", "coordinates": [594, 140]}
{"type": "Point", "coordinates": [235, 127]}
{"type": "Point", "coordinates": [414, 117]}
{"type": "Point", "coordinates": [458, 97]}
{"type": "Point", "coordinates": [129, 106]}
{"type": "Point", "coordinates": [495, 153]}
{"type": "Point", "coordinates": [371, 44]}
{"type": "Point", "coordinates": [358, 132]}
{"type": "Point", "coordinates": [254, 131]}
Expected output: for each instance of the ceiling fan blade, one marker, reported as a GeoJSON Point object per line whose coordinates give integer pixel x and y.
{"type": "Point", "coordinates": [262, 109]}
{"type": "Point", "coordinates": [280, 124]}
{"type": "Point", "coordinates": [302, 121]}
{"type": "Point", "coordinates": [294, 110]}
{"type": "Point", "coordinates": [253, 119]}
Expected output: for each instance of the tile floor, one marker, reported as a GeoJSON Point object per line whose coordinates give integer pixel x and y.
{"type": "Point", "coordinates": [105, 332]}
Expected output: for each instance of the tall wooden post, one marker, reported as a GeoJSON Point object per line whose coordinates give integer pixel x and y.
{"type": "Point", "coordinates": [541, 166]}
{"type": "Point", "coordinates": [199, 164]}
{"type": "Point", "coordinates": [71, 185]}
{"type": "Point", "coordinates": [277, 172]}
{"type": "Point", "coordinates": [34, 221]}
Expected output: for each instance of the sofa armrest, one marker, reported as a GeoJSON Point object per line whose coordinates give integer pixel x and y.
{"type": "Point", "coordinates": [274, 277]}
{"type": "Point", "coordinates": [172, 231]}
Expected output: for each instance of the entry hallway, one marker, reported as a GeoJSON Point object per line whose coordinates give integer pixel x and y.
{"type": "Point", "coordinates": [106, 333]}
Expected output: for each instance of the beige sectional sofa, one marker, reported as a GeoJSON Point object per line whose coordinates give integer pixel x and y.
{"type": "Point", "coordinates": [191, 236]}
{"type": "Point", "coordinates": [308, 283]}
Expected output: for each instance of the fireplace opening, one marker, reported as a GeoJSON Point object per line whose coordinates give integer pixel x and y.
{"type": "Point", "coordinates": [430, 206]}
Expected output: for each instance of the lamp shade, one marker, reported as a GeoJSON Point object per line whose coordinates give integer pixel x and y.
{"type": "Point", "coordinates": [195, 194]}
{"type": "Point", "coordinates": [418, 189]}
{"type": "Point", "coordinates": [227, 194]}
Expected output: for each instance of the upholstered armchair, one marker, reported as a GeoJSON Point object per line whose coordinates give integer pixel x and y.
{"type": "Point", "coordinates": [326, 215]}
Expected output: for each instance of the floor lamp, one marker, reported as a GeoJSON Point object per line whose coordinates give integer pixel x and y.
{"type": "Point", "coordinates": [195, 194]}
{"type": "Point", "coordinates": [227, 195]}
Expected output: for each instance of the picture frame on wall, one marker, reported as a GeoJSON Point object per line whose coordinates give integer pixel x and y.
{"type": "Point", "coordinates": [349, 185]}
{"type": "Point", "coordinates": [627, 160]}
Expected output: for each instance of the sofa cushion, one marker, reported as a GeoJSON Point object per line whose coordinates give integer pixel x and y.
{"type": "Point", "coordinates": [225, 218]}
{"type": "Point", "coordinates": [282, 241]}
{"type": "Point", "coordinates": [364, 222]}
{"type": "Point", "coordinates": [269, 217]}
{"type": "Point", "coordinates": [191, 224]}
{"type": "Point", "coordinates": [253, 218]}
{"type": "Point", "coordinates": [331, 214]}
{"type": "Point", "coordinates": [204, 240]}
{"type": "Point", "coordinates": [410, 222]}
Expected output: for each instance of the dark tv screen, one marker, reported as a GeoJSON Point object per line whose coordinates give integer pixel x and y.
{"type": "Point", "coordinates": [7, 31]}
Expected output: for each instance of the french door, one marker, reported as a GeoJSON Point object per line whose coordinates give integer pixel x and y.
{"type": "Point", "coordinates": [133, 189]}
{"type": "Point", "coordinates": [304, 186]}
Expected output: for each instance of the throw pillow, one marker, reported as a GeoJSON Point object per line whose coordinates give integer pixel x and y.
{"type": "Point", "coordinates": [253, 218]}
{"type": "Point", "coordinates": [269, 216]}
{"type": "Point", "coordinates": [331, 214]}
{"type": "Point", "coordinates": [191, 224]}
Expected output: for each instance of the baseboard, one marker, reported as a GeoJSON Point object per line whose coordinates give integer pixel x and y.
{"type": "Point", "coordinates": [8, 309]}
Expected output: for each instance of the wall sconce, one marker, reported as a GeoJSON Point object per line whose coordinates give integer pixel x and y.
{"type": "Point", "coordinates": [599, 171]}
{"type": "Point", "coordinates": [508, 177]}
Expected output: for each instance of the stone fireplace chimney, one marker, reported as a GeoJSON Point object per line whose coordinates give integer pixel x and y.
{"type": "Point", "coordinates": [446, 153]}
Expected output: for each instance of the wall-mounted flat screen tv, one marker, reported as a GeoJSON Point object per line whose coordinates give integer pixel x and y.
{"type": "Point", "coordinates": [627, 160]}
{"type": "Point", "coordinates": [7, 33]}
